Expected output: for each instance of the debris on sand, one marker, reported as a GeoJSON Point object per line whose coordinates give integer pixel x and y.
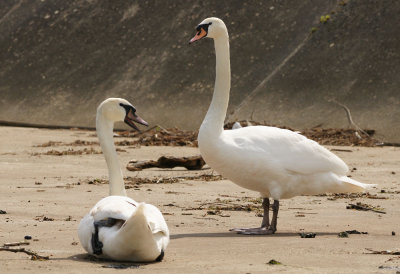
{"type": "Point", "coordinates": [274, 262]}
{"type": "Point", "coordinates": [218, 206]}
{"type": "Point", "coordinates": [397, 268]}
{"type": "Point", "coordinates": [70, 151]}
{"type": "Point", "coordinates": [343, 234]}
{"type": "Point", "coordinates": [43, 218]}
{"type": "Point", "coordinates": [390, 192]}
{"type": "Point", "coordinates": [365, 207]}
{"type": "Point", "coordinates": [3, 211]}
{"type": "Point", "coordinates": [132, 182]}
{"type": "Point", "coordinates": [159, 136]}
{"type": "Point", "coordinates": [307, 235]}
{"type": "Point", "coordinates": [355, 232]}
{"type": "Point", "coordinates": [383, 252]}
{"type": "Point", "coordinates": [75, 143]}
{"type": "Point", "coordinates": [190, 163]}
{"type": "Point", "coordinates": [69, 218]}
{"type": "Point", "coordinates": [218, 213]}
{"type": "Point", "coordinates": [352, 196]}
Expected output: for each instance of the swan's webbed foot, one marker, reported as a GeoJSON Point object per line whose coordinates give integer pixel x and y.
{"type": "Point", "coordinates": [254, 231]}
{"type": "Point", "coordinates": [97, 246]}
{"type": "Point", "coordinates": [266, 228]}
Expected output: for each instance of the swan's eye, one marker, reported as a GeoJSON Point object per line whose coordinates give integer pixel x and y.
{"type": "Point", "coordinates": [128, 108]}
{"type": "Point", "coordinates": [203, 26]}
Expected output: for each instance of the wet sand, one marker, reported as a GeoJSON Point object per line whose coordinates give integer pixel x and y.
{"type": "Point", "coordinates": [34, 186]}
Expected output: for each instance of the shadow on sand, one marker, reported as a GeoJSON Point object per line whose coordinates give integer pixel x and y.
{"type": "Point", "coordinates": [105, 263]}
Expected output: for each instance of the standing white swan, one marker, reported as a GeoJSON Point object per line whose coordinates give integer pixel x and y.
{"type": "Point", "coordinates": [118, 227]}
{"type": "Point", "coordinates": [276, 162]}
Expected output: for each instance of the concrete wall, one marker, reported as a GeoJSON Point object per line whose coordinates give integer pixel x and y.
{"type": "Point", "coordinates": [60, 59]}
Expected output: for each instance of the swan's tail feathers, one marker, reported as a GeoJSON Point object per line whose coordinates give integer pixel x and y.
{"type": "Point", "coordinates": [355, 186]}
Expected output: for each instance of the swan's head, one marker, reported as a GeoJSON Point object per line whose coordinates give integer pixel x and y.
{"type": "Point", "coordinates": [212, 27]}
{"type": "Point", "coordinates": [118, 109]}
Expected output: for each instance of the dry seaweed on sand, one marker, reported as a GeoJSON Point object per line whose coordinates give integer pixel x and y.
{"type": "Point", "coordinates": [159, 136]}
{"type": "Point", "coordinates": [135, 181]}
{"type": "Point", "coordinates": [69, 151]}
{"type": "Point", "coordinates": [352, 196]}
{"type": "Point", "coordinates": [216, 207]}
{"type": "Point", "coordinates": [75, 143]}
{"type": "Point", "coordinates": [191, 163]}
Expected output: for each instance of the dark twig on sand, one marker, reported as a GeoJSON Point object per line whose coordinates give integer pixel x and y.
{"type": "Point", "coordinates": [383, 252]}
{"type": "Point", "coordinates": [34, 255]}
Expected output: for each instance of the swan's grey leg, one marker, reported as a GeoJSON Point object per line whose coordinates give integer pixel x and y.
{"type": "Point", "coordinates": [265, 220]}
{"type": "Point", "coordinates": [97, 246]}
{"type": "Point", "coordinates": [274, 222]}
{"type": "Point", "coordinates": [265, 228]}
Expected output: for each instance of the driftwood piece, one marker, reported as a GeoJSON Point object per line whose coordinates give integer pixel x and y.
{"type": "Point", "coordinates": [190, 163]}
{"type": "Point", "coordinates": [350, 119]}
{"type": "Point", "coordinates": [15, 244]}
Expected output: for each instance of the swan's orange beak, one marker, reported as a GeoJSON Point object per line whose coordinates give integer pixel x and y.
{"type": "Point", "coordinates": [200, 34]}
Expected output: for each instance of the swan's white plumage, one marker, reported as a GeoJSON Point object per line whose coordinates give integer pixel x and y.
{"type": "Point", "coordinates": [140, 233]}
{"type": "Point", "coordinates": [276, 162]}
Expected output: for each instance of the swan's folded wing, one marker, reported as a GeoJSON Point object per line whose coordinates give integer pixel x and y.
{"type": "Point", "coordinates": [287, 150]}
{"type": "Point", "coordinates": [116, 207]}
{"type": "Point", "coordinates": [155, 220]}
{"type": "Point", "coordinates": [309, 157]}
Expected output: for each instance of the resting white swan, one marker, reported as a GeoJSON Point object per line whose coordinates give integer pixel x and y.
{"type": "Point", "coordinates": [118, 227]}
{"type": "Point", "coordinates": [278, 163]}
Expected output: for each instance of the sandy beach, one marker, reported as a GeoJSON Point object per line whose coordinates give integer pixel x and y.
{"type": "Point", "coordinates": [45, 196]}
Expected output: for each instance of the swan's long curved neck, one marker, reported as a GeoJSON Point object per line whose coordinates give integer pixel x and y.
{"type": "Point", "coordinates": [213, 123]}
{"type": "Point", "coordinates": [104, 129]}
